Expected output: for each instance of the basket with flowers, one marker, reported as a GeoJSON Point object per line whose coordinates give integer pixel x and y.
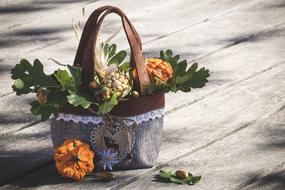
{"type": "Point", "coordinates": [104, 107]}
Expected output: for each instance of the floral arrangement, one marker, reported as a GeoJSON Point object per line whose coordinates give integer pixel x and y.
{"type": "Point", "coordinates": [114, 80]}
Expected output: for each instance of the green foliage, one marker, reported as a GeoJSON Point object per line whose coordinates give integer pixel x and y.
{"type": "Point", "coordinates": [44, 110]}
{"type": "Point", "coordinates": [108, 105]}
{"type": "Point", "coordinates": [183, 79]}
{"type": "Point", "coordinates": [67, 81]}
{"type": "Point", "coordinates": [27, 76]}
{"type": "Point", "coordinates": [170, 177]}
{"type": "Point", "coordinates": [76, 74]}
{"type": "Point", "coordinates": [61, 88]}
{"type": "Point", "coordinates": [125, 67]}
{"type": "Point", "coordinates": [113, 57]}
{"type": "Point", "coordinates": [118, 58]}
{"type": "Point", "coordinates": [19, 84]}
{"type": "Point", "coordinates": [78, 99]}
{"type": "Point", "coordinates": [56, 99]}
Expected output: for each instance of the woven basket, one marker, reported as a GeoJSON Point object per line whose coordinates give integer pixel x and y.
{"type": "Point", "coordinates": [135, 126]}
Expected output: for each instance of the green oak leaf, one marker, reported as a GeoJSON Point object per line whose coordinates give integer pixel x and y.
{"type": "Point", "coordinates": [66, 81]}
{"type": "Point", "coordinates": [196, 179]}
{"type": "Point", "coordinates": [180, 68]}
{"type": "Point", "coordinates": [169, 176]}
{"type": "Point", "coordinates": [163, 87]}
{"type": "Point", "coordinates": [165, 174]}
{"type": "Point", "coordinates": [192, 180]}
{"type": "Point", "coordinates": [199, 78]}
{"type": "Point", "coordinates": [77, 99]}
{"type": "Point", "coordinates": [76, 74]}
{"type": "Point", "coordinates": [31, 76]}
{"type": "Point", "coordinates": [40, 78]}
{"type": "Point", "coordinates": [107, 105]}
{"type": "Point", "coordinates": [44, 110]}
{"type": "Point", "coordinates": [176, 180]}
{"type": "Point", "coordinates": [56, 99]}
{"type": "Point", "coordinates": [23, 69]}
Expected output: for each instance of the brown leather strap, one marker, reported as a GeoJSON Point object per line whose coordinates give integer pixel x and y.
{"type": "Point", "coordinates": [85, 53]}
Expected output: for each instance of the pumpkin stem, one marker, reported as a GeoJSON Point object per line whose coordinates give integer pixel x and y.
{"type": "Point", "coordinates": [76, 158]}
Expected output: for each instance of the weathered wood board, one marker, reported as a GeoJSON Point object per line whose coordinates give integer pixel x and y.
{"type": "Point", "coordinates": [209, 62]}
{"type": "Point", "coordinates": [203, 125]}
{"type": "Point", "coordinates": [246, 159]}
{"type": "Point", "coordinates": [231, 132]}
{"type": "Point", "coordinates": [48, 39]}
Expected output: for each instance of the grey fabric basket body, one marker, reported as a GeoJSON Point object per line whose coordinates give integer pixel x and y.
{"type": "Point", "coordinates": [147, 140]}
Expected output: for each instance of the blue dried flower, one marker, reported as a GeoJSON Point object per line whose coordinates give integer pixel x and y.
{"type": "Point", "coordinates": [108, 159]}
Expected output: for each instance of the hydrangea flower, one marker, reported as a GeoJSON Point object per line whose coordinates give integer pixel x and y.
{"type": "Point", "coordinates": [108, 159]}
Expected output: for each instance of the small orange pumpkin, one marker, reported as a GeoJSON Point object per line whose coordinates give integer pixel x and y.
{"type": "Point", "coordinates": [158, 68]}
{"type": "Point", "coordinates": [74, 159]}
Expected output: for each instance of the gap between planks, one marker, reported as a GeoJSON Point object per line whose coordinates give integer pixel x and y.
{"type": "Point", "coordinates": [205, 145]}
{"type": "Point", "coordinates": [180, 30]}
{"type": "Point", "coordinates": [125, 183]}
{"type": "Point", "coordinates": [40, 19]}
{"type": "Point", "coordinates": [246, 38]}
{"type": "Point", "coordinates": [147, 42]}
{"type": "Point", "coordinates": [224, 88]}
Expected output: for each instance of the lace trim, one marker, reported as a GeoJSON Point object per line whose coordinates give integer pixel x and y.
{"type": "Point", "coordinates": [155, 114]}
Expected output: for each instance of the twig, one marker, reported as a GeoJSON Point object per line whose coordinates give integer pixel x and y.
{"type": "Point", "coordinates": [92, 111]}
{"type": "Point", "coordinates": [64, 65]}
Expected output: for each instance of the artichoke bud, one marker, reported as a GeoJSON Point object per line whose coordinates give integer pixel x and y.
{"type": "Point", "coordinates": [118, 83]}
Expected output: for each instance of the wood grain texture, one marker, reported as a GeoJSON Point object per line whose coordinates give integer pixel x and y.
{"type": "Point", "coordinates": [241, 42]}
{"type": "Point", "coordinates": [248, 159]}
{"type": "Point", "coordinates": [272, 49]}
{"type": "Point", "coordinates": [54, 38]}
{"type": "Point", "coordinates": [205, 124]}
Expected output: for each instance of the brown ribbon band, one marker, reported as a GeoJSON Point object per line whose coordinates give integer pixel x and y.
{"type": "Point", "coordinates": [125, 108]}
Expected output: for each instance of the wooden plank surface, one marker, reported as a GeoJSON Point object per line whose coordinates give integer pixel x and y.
{"type": "Point", "coordinates": [210, 45]}
{"type": "Point", "coordinates": [56, 39]}
{"type": "Point", "coordinates": [241, 42]}
{"type": "Point", "coordinates": [26, 119]}
{"type": "Point", "coordinates": [203, 127]}
{"type": "Point", "coordinates": [240, 161]}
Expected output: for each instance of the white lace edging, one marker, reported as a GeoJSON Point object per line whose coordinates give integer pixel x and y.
{"type": "Point", "coordinates": [155, 114]}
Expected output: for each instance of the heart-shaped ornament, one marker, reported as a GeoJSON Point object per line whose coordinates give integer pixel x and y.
{"type": "Point", "coordinates": [116, 136]}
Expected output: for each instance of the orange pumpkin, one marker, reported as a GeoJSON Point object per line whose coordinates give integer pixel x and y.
{"type": "Point", "coordinates": [158, 68]}
{"type": "Point", "coordinates": [74, 159]}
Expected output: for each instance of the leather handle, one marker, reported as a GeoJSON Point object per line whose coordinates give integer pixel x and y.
{"type": "Point", "coordinates": [85, 52]}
